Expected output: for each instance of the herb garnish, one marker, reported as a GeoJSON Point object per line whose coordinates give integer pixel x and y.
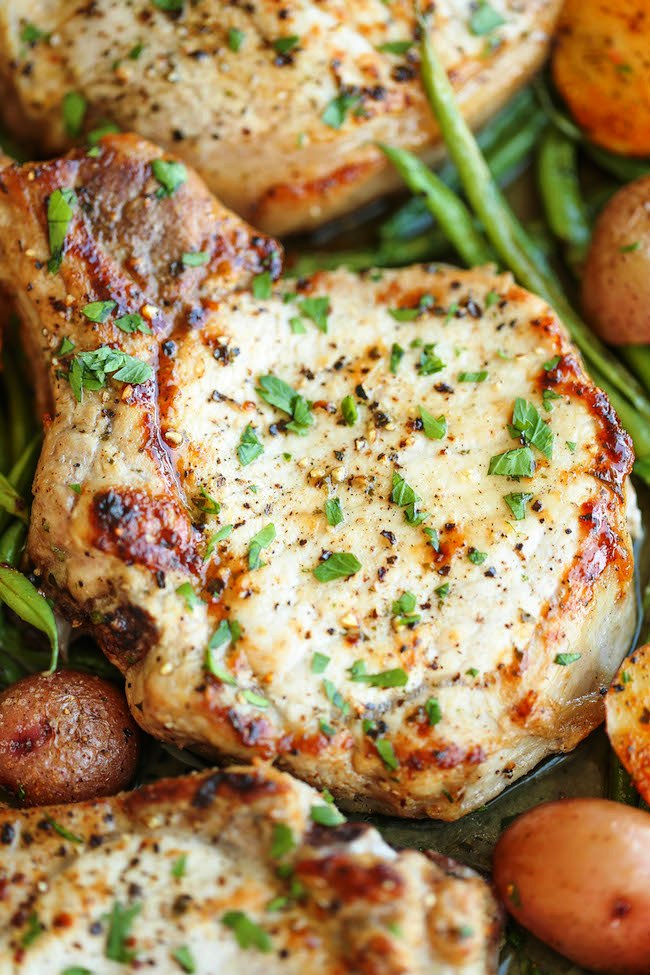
{"type": "Point", "coordinates": [250, 447]}
{"type": "Point", "coordinates": [410, 314]}
{"type": "Point", "coordinates": [60, 207]}
{"type": "Point", "coordinates": [319, 662]}
{"type": "Point", "coordinates": [284, 45]}
{"type": "Point", "coordinates": [277, 393]}
{"type": "Point", "coordinates": [98, 311]}
{"type": "Point", "coordinates": [429, 362]}
{"type": "Point", "coordinates": [337, 109]}
{"type": "Point", "coordinates": [327, 815]}
{"type": "Point", "coordinates": [247, 933]}
{"type": "Point", "coordinates": [170, 175]}
{"type": "Point", "coordinates": [261, 540]}
{"type": "Point", "coordinates": [527, 423]}
{"type": "Point", "coordinates": [564, 659]}
{"type": "Point", "coordinates": [349, 410]}
{"type": "Point", "coordinates": [433, 711]}
{"type": "Point", "coordinates": [387, 753]}
{"type": "Point", "coordinates": [195, 258]}
{"type": "Point", "coordinates": [397, 677]}
{"type": "Point", "coordinates": [403, 495]}
{"type": "Point", "coordinates": [132, 322]}
{"type": "Point", "coordinates": [396, 356]}
{"type": "Point", "coordinates": [262, 286]}
{"type": "Point", "coordinates": [402, 610]}
{"type": "Point", "coordinates": [74, 111]}
{"type": "Point", "coordinates": [434, 429]}
{"type": "Point", "coordinates": [333, 511]}
{"type": "Point", "coordinates": [484, 19]}
{"type": "Point", "coordinates": [473, 377]}
{"type": "Point", "coordinates": [235, 39]}
{"type": "Point", "coordinates": [62, 831]}
{"type": "Point", "coordinates": [90, 370]}
{"type": "Point", "coordinates": [317, 310]}
{"type": "Point", "coordinates": [185, 959]}
{"type": "Point", "coordinates": [338, 565]}
{"type": "Point", "coordinates": [186, 591]}
{"type": "Point", "coordinates": [513, 463]}
{"type": "Point", "coordinates": [517, 502]}
{"type": "Point", "coordinates": [283, 841]}
{"type": "Point", "coordinates": [120, 922]}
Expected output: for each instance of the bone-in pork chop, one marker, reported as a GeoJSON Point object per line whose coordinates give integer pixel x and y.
{"type": "Point", "coordinates": [278, 106]}
{"type": "Point", "coordinates": [372, 527]}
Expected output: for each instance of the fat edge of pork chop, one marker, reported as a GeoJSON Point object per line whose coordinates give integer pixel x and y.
{"type": "Point", "coordinates": [487, 612]}
{"type": "Point", "coordinates": [287, 138]}
{"type": "Point", "coordinates": [183, 855]}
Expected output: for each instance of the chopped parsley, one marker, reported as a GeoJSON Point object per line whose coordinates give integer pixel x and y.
{"type": "Point", "coordinates": [169, 6]}
{"type": "Point", "coordinates": [434, 429]}
{"type": "Point", "coordinates": [186, 591]}
{"type": "Point", "coordinates": [98, 311]}
{"type": "Point", "coordinates": [333, 511]}
{"type": "Point", "coordinates": [90, 370]}
{"type": "Point", "coordinates": [335, 697]}
{"type": "Point", "coordinates": [403, 495]}
{"type": "Point", "coordinates": [442, 591]}
{"type": "Point", "coordinates": [262, 285]}
{"type": "Point", "coordinates": [326, 815]}
{"type": "Point", "coordinates": [132, 322]}
{"type": "Point", "coordinates": [630, 248]}
{"type": "Point", "coordinates": [473, 377]}
{"type": "Point", "coordinates": [66, 347]}
{"type": "Point", "coordinates": [317, 310]}
{"type": "Point", "coordinates": [395, 47]}
{"type": "Point", "coordinates": [247, 933]}
{"type": "Point", "coordinates": [491, 299]}
{"type": "Point", "coordinates": [403, 608]}
{"type": "Point", "coordinates": [484, 19]}
{"type": "Point", "coordinates": [170, 175]}
{"type": "Point", "coordinates": [552, 364]}
{"type": "Point", "coordinates": [62, 831]}
{"type": "Point", "coordinates": [433, 711]}
{"type": "Point", "coordinates": [179, 866]}
{"type": "Point", "coordinates": [185, 959]}
{"type": "Point", "coordinates": [336, 111]}
{"type": "Point", "coordinates": [284, 45]}
{"type": "Point", "coordinates": [396, 356]}
{"type": "Point", "coordinates": [434, 538]}
{"type": "Point", "coordinates": [195, 258]}
{"type": "Point", "coordinates": [429, 362]}
{"type": "Point", "coordinates": [564, 659]}
{"type": "Point", "coordinates": [349, 410]}
{"type": "Point", "coordinates": [387, 753]}
{"type": "Point", "coordinates": [476, 557]}
{"type": "Point", "coordinates": [410, 314]}
{"type": "Point", "coordinates": [527, 423]}
{"type": "Point", "coordinates": [572, 445]}
{"type": "Point", "coordinates": [254, 699]}
{"type": "Point", "coordinates": [319, 663]}
{"type": "Point", "coordinates": [283, 841]}
{"type": "Point", "coordinates": [513, 463]}
{"type": "Point", "coordinates": [250, 447]}
{"type": "Point", "coordinates": [60, 208]}
{"type": "Point", "coordinates": [338, 565]}
{"type": "Point", "coordinates": [277, 393]}
{"type": "Point", "coordinates": [297, 325]}
{"type": "Point", "coordinates": [120, 922]}
{"type": "Point", "coordinates": [74, 111]}
{"type": "Point", "coordinates": [261, 540]}
{"type": "Point", "coordinates": [32, 931]}
{"type": "Point", "coordinates": [396, 677]}
{"type": "Point", "coordinates": [235, 39]}
{"type": "Point", "coordinates": [219, 536]}
{"type": "Point", "coordinates": [31, 34]}
{"type": "Point", "coordinates": [517, 502]}
{"type": "Point", "coordinates": [548, 395]}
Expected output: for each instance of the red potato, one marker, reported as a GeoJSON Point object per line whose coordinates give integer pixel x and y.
{"type": "Point", "coordinates": [577, 874]}
{"type": "Point", "coordinates": [66, 737]}
{"type": "Point", "coordinates": [616, 278]}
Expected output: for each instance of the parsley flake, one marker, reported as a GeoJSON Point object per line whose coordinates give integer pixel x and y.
{"type": "Point", "coordinates": [74, 108]}
{"type": "Point", "coordinates": [395, 47]}
{"type": "Point", "coordinates": [188, 594]}
{"type": "Point", "coordinates": [185, 959]}
{"type": "Point", "coordinates": [396, 356]}
{"type": "Point", "coordinates": [60, 208]}
{"type": "Point", "coordinates": [336, 111]}
{"type": "Point", "coordinates": [433, 711]}
{"type": "Point", "coordinates": [349, 410]}
{"type": "Point", "coordinates": [317, 310]}
{"type": "Point", "coordinates": [90, 370]}
{"type": "Point", "coordinates": [484, 19]}
{"type": "Point", "coordinates": [277, 393]}
{"type": "Point", "coordinates": [338, 565]}
{"type": "Point", "coordinates": [517, 502]}
{"type": "Point", "coordinates": [235, 39]}
{"type": "Point", "coordinates": [120, 922]}
{"type": "Point", "coordinates": [247, 933]}
{"type": "Point", "coordinates": [170, 175]}
{"type": "Point", "coordinates": [396, 677]}
{"type": "Point", "coordinates": [333, 511]}
{"type": "Point", "coordinates": [513, 463]}
{"type": "Point", "coordinates": [527, 423]}
{"type": "Point", "coordinates": [327, 815]}
{"type": "Point", "coordinates": [476, 557]}
{"type": "Point", "coordinates": [284, 45]}
{"type": "Point", "coordinates": [261, 540]}
{"type": "Point", "coordinates": [132, 322]}
{"type": "Point", "coordinates": [319, 662]}
{"type": "Point", "coordinates": [195, 258]}
{"type": "Point", "coordinates": [387, 753]}
{"type": "Point", "coordinates": [402, 610]}
{"type": "Point", "coordinates": [564, 659]}
{"type": "Point", "coordinates": [98, 311]}
{"type": "Point", "coordinates": [434, 429]}
{"type": "Point", "coordinates": [262, 286]}
{"type": "Point", "coordinates": [250, 447]}
{"type": "Point", "coordinates": [283, 841]}
{"type": "Point", "coordinates": [473, 377]}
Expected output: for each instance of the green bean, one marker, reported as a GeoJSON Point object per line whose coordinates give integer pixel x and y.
{"type": "Point", "coordinates": [12, 543]}
{"type": "Point", "coordinates": [21, 474]}
{"type": "Point", "coordinates": [21, 415]}
{"type": "Point", "coordinates": [450, 212]}
{"type": "Point", "coordinates": [638, 359]}
{"type": "Point", "coordinates": [559, 187]}
{"type": "Point", "coordinates": [559, 119]}
{"type": "Point", "coordinates": [624, 168]}
{"type": "Point", "coordinates": [620, 787]}
{"type": "Point", "coordinates": [504, 158]}
{"type": "Point", "coordinates": [426, 247]}
{"type": "Point", "coordinates": [508, 236]}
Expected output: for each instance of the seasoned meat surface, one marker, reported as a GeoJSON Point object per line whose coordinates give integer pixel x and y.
{"type": "Point", "coordinates": [230, 871]}
{"type": "Point", "coordinates": [278, 106]}
{"type": "Point", "coordinates": [371, 527]}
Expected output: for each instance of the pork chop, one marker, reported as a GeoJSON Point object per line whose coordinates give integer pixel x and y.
{"type": "Point", "coordinates": [278, 106]}
{"type": "Point", "coordinates": [240, 871]}
{"type": "Point", "coordinates": [371, 527]}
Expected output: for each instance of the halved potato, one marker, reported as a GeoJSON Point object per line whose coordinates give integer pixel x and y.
{"type": "Point", "coordinates": [628, 717]}
{"type": "Point", "coordinates": [601, 68]}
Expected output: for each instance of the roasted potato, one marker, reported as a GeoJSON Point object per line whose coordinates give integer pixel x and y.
{"type": "Point", "coordinates": [616, 278]}
{"type": "Point", "coordinates": [577, 874]}
{"type": "Point", "coordinates": [627, 707]}
{"type": "Point", "coordinates": [601, 66]}
{"type": "Point", "coordinates": [65, 737]}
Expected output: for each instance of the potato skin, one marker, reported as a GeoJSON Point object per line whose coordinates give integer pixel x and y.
{"type": "Point", "coordinates": [616, 278]}
{"type": "Point", "coordinates": [577, 874]}
{"type": "Point", "coordinates": [66, 737]}
{"type": "Point", "coordinates": [600, 66]}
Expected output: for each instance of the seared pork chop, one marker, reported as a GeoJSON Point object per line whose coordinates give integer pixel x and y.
{"type": "Point", "coordinates": [240, 871]}
{"type": "Point", "coordinates": [372, 527]}
{"type": "Point", "coordinates": [278, 106]}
